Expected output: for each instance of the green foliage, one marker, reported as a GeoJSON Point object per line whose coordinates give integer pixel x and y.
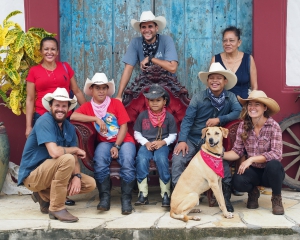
{"type": "Point", "coordinates": [21, 50]}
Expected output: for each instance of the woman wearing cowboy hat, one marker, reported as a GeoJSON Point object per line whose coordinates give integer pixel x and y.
{"type": "Point", "coordinates": [259, 137]}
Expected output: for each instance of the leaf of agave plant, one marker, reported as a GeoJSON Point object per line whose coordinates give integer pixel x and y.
{"type": "Point", "coordinates": [20, 41]}
{"type": "Point", "coordinates": [14, 101]}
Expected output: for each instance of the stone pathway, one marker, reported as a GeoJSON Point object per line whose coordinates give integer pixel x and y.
{"type": "Point", "coordinates": [20, 218]}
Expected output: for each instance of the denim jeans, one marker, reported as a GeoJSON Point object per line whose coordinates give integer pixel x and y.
{"type": "Point", "coordinates": [160, 157]}
{"type": "Point", "coordinates": [102, 160]}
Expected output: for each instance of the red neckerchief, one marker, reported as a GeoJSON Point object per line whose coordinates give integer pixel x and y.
{"type": "Point", "coordinates": [215, 163]}
{"type": "Point", "coordinates": [157, 119]}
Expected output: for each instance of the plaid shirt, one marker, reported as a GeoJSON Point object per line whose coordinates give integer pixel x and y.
{"type": "Point", "coordinates": [267, 144]}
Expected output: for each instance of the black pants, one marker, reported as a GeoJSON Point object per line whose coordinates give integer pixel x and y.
{"type": "Point", "coordinates": [270, 176]}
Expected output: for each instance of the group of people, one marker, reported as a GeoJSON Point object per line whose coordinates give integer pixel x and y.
{"type": "Point", "coordinates": [50, 167]}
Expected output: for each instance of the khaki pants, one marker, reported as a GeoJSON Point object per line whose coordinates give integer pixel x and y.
{"type": "Point", "coordinates": [51, 180]}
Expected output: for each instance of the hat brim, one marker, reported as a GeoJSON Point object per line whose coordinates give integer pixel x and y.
{"type": "Point", "coordinates": [160, 21]}
{"type": "Point", "coordinates": [89, 83]}
{"type": "Point", "coordinates": [231, 78]}
{"type": "Point", "coordinates": [271, 104]}
{"type": "Point", "coordinates": [49, 96]}
{"type": "Point", "coordinates": [152, 96]}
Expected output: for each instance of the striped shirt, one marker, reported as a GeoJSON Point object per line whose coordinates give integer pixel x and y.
{"type": "Point", "coordinates": [267, 144]}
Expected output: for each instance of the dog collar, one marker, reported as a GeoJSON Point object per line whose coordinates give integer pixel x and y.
{"type": "Point", "coordinates": [217, 154]}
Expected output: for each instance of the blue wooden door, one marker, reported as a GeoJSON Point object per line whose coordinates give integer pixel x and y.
{"type": "Point", "coordinates": [95, 34]}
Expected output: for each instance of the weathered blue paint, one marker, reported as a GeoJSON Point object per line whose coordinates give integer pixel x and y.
{"type": "Point", "coordinates": [95, 34]}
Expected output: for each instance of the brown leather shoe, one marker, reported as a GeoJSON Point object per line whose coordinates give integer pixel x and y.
{"type": "Point", "coordinates": [63, 216]}
{"type": "Point", "coordinates": [44, 206]}
{"type": "Point", "coordinates": [253, 196]}
{"type": "Point", "coordinates": [277, 208]}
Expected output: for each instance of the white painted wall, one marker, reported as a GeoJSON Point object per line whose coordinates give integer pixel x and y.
{"type": "Point", "coordinates": [7, 6]}
{"type": "Point", "coordinates": [293, 43]}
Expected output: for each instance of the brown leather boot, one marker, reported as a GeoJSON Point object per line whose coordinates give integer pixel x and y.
{"type": "Point", "coordinates": [63, 216]}
{"type": "Point", "coordinates": [253, 196]}
{"type": "Point", "coordinates": [44, 206]}
{"type": "Point", "coordinates": [277, 208]}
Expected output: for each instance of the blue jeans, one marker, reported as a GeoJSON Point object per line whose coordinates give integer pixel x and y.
{"type": "Point", "coordinates": [102, 160]}
{"type": "Point", "coordinates": [160, 157]}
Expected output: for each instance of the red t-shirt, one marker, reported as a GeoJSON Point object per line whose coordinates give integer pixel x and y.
{"type": "Point", "coordinates": [46, 81]}
{"type": "Point", "coordinates": [116, 115]}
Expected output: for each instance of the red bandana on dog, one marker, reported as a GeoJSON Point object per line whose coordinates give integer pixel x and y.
{"type": "Point", "coordinates": [215, 163]}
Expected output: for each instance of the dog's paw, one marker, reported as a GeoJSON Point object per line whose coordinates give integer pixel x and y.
{"type": "Point", "coordinates": [195, 210]}
{"type": "Point", "coordinates": [229, 215]}
{"type": "Point", "coordinates": [196, 218]}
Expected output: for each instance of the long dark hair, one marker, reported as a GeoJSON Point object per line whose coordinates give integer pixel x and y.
{"type": "Point", "coordinates": [248, 125]}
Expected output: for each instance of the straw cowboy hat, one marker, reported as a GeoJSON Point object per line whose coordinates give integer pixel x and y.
{"type": "Point", "coordinates": [99, 79]}
{"type": "Point", "coordinates": [148, 16]}
{"type": "Point", "coordinates": [218, 68]}
{"type": "Point", "coordinates": [156, 91]}
{"type": "Point", "coordinates": [60, 94]}
{"type": "Point", "coordinates": [260, 96]}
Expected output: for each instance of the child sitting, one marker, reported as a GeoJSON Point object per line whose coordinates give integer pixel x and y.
{"type": "Point", "coordinates": [155, 129]}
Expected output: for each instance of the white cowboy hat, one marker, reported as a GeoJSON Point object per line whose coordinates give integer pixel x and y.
{"type": "Point", "coordinates": [99, 79]}
{"type": "Point", "coordinates": [148, 16]}
{"type": "Point", "coordinates": [260, 96]}
{"type": "Point", "coordinates": [218, 68]}
{"type": "Point", "coordinates": [60, 94]}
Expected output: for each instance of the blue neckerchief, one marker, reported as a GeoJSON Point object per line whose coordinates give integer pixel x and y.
{"type": "Point", "coordinates": [217, 102]}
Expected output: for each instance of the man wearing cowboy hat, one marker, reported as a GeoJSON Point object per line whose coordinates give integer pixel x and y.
{"type": "Point", "coordinates": [215, 106]}
{"type": "Point", "coordinates": [49, 165]}
{"type": "Point", "coordinates": [150, 48]}
{"type": "Point", "coordinates": [109, 118]}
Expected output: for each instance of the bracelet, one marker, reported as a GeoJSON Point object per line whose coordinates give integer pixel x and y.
{"type": "Point", "coordinates": [117, 146]}
{"type": "Point", "coordinates": [64, 151]}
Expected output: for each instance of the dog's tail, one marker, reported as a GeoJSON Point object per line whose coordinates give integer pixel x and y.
{"type": "Point", "coordinates": [182, 217]}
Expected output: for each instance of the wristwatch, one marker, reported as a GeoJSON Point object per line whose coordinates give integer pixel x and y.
{"type": "Point", "coordinates": [117, 146]}
{"type": "Point", "coordinates": [77, 175]}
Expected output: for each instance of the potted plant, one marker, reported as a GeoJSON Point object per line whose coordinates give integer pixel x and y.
{"type": "Point", "coordinates": [19, 51]}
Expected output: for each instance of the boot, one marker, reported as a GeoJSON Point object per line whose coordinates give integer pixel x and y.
{"type": "Point", "coordinates": [126, 189]}
{"type": "Point", "coordinates": [277, 208]}
{"type": "Point", "coordinates": [104, 194]}
{"type": "Point", "coordinates": [165, 193]}
{"type": "Point", "coordinates": [253, 196]}
{"type": "Point", "coordinates": [227, 195]}
{"type": "Point", "coordinates": [44, 206]}
{"type": "Point", "coordinates": [143, 193]}
{"type": "Point", "coordinates": [63, 215]}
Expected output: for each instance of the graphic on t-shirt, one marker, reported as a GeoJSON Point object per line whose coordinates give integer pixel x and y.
{"type": "Point", "coordinates": [146, 124]}
{"type": "Point", "coordinates": [111, 125]}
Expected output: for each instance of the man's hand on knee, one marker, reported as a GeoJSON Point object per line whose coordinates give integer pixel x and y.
{"type": "Point", "coordinates": [182, 146]}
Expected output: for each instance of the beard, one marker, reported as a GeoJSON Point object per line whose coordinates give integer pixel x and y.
{"type": "Point", "coordinates": [59, 120]}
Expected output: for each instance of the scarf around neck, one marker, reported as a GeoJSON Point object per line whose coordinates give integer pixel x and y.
{"type": "Point", "coordinates": [150, 49]}
{"type": "Point", "coordinates": [157, 119]}
{"type": "Point", "coordinates": [217, 102]}
{"type": "Point", "coordinates": [100, 109]}
{"type": "Point", "coordinates": [215, 163]}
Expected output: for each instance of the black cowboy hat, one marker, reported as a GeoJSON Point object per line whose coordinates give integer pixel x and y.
{"type": "Point", "coordinates": [156, 91]}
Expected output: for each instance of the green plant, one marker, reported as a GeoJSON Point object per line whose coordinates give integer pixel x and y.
{"type": "Point", "coordinates": [19, 51]}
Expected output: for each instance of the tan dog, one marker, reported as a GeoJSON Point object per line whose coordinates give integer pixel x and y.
{"type": "Point", "coordinates": [198, 178]}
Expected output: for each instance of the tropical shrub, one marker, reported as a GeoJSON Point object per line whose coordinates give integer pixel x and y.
{"type": "Point", "coordinates": [19, 51]}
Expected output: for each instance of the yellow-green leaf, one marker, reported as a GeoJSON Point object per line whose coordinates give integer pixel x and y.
{"type": "Point", "coordinates": [9, 39]}
{"type": "Point", "coordinates": [18, 26]}
{"type": "Point", "coordinates": [12, 14]}
{"type": "Point", "coordinates": [40, 32]}
{"type": "Point", "coordinates": [20, 41]}
{"type": "Point", "coordinates": [29, 45]}
{"type": "Point", "coordinates": [3, 32]}
{"type": "Point", "coordinates": [13, 74]}
{"type": "Point", "coordinates": [17, 58]}
{"type": "Point", "coordinates": [8, 24]}
{"type": "Point", "coordinates": [6, 87]}
{"type": "Point", "coordinates": [23, 65]}
{"type": "Point", "coordinates": [14, 101]}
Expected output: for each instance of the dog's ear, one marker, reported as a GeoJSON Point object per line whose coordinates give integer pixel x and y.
{"type": "Point", "coordinates": [224, 132]}
{"type": "Point", "coordinates": [204, 132]}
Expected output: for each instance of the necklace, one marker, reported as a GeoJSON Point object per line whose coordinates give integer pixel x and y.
{"type": "Point", "coordinates": [254, 125]}
{"type": "Point", "coordinates": [234, 62]}
{"type": "Point", "coordinates": [49, 72]}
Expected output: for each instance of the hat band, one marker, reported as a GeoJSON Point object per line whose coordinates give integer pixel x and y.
{"type": "Point", "coordinates": [60, 96]}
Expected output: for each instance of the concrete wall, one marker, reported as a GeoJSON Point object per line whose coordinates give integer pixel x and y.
{"type": "Point", "coordinates": [7, 6]}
